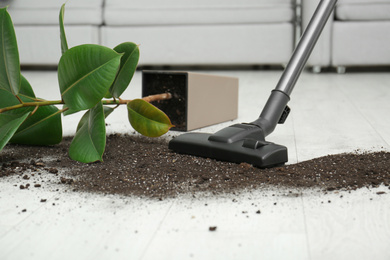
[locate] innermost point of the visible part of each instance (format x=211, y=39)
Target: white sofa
x=358, y=34
x=170, y=32
x=212, y=32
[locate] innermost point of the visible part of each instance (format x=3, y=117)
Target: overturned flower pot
x=198, y=100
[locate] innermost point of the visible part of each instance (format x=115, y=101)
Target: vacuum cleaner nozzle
x=246, y=142
x=237, y=143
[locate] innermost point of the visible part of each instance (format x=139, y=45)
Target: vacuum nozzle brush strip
x=246, y=142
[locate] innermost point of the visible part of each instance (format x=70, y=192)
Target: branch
x=149, y=99
x=32, y=104
x=158, y=97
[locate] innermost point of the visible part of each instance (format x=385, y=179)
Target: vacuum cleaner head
x=246, y=142
x=237, y=143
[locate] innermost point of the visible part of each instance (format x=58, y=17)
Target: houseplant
x=91, y=78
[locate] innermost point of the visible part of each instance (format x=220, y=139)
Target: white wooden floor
x=331, y=114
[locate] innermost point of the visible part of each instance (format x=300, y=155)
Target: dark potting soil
x=139, y=166
x=174, y=83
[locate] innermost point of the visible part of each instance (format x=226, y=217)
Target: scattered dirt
x=213, y=228
x=139, y=166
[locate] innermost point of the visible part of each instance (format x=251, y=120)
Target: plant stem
x=32, y=104
x=149, y=99
x=157, y=97
x=21, y=102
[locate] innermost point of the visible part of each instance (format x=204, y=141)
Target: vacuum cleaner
x=245, y=142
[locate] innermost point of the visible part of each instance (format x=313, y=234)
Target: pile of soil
x=134, y=165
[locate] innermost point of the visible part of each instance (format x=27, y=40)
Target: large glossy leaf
x=90, y=140
x=85, y=74
x=9, y=123
x=41, y=128
x=129, y=62
x=64, y=43
x=147, y=119
x=9, y=55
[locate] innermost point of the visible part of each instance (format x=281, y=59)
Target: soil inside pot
x=174, y=83
x=139, y=166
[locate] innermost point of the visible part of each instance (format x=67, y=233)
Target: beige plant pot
x=198, y=100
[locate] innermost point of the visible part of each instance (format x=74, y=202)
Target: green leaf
x=85, y=74
x=25, y=88
x=107, y=111
x=147, y=119
x=9, y=55
x=90, y=140
x=41, y=128
x=7, y=99
x=9, y=123
x=26, y=93
x=64, y=43
x=129, y=62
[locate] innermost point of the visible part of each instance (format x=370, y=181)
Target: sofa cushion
x=363, y=10
x=40, y=44
x=361, y=44
x=157, y=12
x=224, y=44
x=45, y=12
